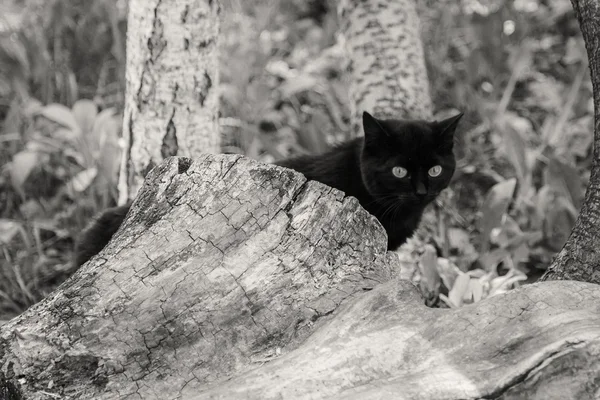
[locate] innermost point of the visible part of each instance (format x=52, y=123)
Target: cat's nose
x=421, y=189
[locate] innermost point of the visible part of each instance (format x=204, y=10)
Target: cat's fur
x=361, y=168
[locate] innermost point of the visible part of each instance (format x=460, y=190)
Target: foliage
x=531, y=147
x=516, y=68
x=65, y=172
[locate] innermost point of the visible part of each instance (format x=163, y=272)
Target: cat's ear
x=372, y=128
x=446, y=129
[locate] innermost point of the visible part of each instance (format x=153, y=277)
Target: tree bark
x=388, y=74
x=221, y=264
x=171, y=101
x=580, y=257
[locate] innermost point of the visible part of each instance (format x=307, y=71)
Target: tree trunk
x=388, y=75
x=580, y=257
x=171, y=101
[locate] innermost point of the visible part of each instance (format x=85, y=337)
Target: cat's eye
x=435, y=171
x=399, y=172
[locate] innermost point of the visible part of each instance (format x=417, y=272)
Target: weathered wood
x=538, y=342
x=221, y=263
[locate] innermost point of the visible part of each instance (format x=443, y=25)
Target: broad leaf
x=61, y=115
x=447, y=272
x=515, y=129
x=428, y=266
x=504, y=234
x=82, y=180
x=461, y=284
x=564, y=179
x=298, y=84
x=560, y=219
x=475, y=290
x=494, y=207
x=21, y=166
x=503, y=283
x=85, y=112
x=311, y=137
x=8, y=230
x=490, y=260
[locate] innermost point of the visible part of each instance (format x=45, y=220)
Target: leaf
x=85, y=112
x=490, y=260
x=298, y=84
x=428, y=266
x=32, y=107
x=311, y=137
x=21, y=166
x=457, y=238
x=82, y=180
x=494, y=207
x=503, y=283
x=544, y=199
x=8, y=230
x=447, y=272
x=61, y=115
x=461, y=284
x=475, y=290
x=459, y=241
x=579, y=137
x=560, y=219
x=447, y=301
x=521, y=253
x=515, y=129
x=476, y=273
x=506, y=233
x=106, y=126
x=564, y=179
x=574, y=51
x=104, y=146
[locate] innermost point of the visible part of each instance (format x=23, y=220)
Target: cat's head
x=407, y=160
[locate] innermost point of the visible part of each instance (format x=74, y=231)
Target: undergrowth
x=518, y=71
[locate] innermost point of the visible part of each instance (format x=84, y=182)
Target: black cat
x=395, y=171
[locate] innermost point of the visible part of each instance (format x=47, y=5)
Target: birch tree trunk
x=172, y=73
x=388, y=74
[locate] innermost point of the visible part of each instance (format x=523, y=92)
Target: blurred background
x=517, y=68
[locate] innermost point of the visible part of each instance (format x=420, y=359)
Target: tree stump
x=220, y=263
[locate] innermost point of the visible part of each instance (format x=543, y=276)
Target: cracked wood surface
x=221, y=263
x=538, y=342
x=232, y=279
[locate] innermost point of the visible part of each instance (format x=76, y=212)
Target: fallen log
x=220, y=262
